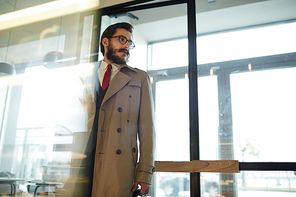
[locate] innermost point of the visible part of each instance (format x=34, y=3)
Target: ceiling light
x=250, y=66
x=46, y=11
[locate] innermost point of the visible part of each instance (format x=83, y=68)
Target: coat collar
x=126, y=66
x=98, y=64
x=117, y=83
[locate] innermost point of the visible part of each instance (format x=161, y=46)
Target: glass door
x=153, y=27
x=252, y=60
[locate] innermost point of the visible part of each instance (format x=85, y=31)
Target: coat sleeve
x=146, y=131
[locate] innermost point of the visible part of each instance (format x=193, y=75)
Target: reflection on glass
x=4, y=87
x=50, y=97
x=51, y=125
x=210, y=184
x=173, y=184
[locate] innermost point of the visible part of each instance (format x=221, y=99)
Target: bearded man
x=122, y=121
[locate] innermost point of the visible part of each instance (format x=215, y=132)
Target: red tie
x=107, y=77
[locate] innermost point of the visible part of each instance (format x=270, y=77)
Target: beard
x=117, y=59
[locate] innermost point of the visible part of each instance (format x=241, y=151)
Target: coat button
x=118, y=151
x=134, y=150
x=119, y=130
x=119, y=109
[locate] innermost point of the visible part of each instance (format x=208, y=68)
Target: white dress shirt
x=102, y=69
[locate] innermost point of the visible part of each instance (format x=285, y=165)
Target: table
x=11, y=182
x=42, y=183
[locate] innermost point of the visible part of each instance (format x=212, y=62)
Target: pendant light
x=52, y=59
x=6, y=68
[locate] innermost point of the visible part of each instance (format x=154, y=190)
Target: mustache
x=123, y=50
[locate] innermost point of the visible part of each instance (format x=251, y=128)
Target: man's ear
x=105, y=42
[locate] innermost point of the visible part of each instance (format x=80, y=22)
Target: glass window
x=172, y=122
x=208, y=113
x=161, y=54
x=248, y=57
x=172, y=184
x=263, y=107
x=281, y=183
x=247, y=43
x=250, y=183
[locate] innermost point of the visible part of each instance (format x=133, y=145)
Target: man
x=123, y=117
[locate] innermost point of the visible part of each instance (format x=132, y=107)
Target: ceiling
x=211, y=17
x=173, y=22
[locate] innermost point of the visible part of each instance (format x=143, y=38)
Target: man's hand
x=145, y=187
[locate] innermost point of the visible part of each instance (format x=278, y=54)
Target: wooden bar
x=222, y=166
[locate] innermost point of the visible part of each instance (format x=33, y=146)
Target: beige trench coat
x=125, y=127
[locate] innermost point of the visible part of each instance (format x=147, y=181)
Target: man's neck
x=107, y=60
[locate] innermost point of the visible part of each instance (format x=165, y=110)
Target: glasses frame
x=130, y=42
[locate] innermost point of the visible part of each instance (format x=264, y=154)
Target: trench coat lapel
x=117, y=83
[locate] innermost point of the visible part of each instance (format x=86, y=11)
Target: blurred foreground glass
x=50, y=130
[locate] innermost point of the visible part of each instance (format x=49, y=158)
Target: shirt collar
x=104, y=65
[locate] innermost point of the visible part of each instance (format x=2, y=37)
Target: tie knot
x=109, y=66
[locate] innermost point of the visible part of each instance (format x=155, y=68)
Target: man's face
x=116, y=52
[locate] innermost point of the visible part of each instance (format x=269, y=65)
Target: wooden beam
x=222, y=166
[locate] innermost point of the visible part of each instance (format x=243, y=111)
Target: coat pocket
x=133, y=103
x=134, y=148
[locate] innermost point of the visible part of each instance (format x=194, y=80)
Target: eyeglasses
x=123, y=40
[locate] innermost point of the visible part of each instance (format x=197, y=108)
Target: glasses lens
x=131, y=44
x=122, y=39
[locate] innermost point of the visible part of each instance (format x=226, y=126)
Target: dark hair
x=111, y=30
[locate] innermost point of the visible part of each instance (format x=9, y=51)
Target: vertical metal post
x=193, y=104
x=225, y=133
